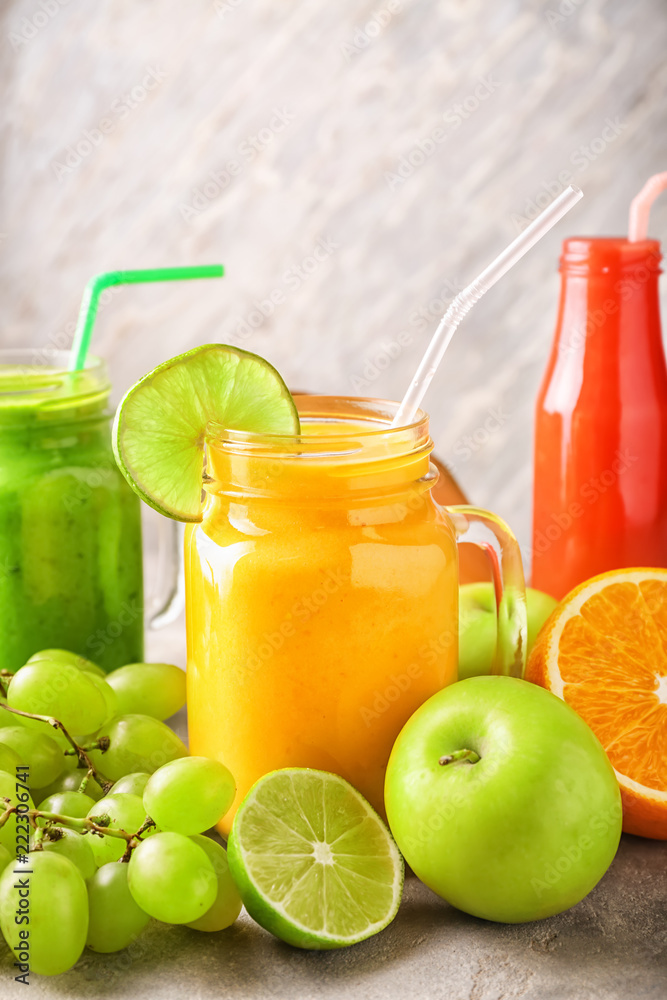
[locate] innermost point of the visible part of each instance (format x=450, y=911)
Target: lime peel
x=160, y=428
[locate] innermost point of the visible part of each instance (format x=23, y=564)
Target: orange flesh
x=613, y=661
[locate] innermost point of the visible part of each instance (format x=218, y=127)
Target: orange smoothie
x=322, y=598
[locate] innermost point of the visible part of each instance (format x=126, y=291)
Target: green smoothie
x=70, y=526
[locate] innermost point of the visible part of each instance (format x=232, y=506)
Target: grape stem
x=84, y=781
x=103, y=744
x=80, y=752
x=98, y=825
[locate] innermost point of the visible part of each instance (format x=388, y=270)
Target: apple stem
x=468, y=755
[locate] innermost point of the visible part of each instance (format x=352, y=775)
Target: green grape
x=9, y=759
x=69, y=781
x=93, y=789
x=227, y=905
x=126, y=813
x=72, y=845
x=69, y=759
x=189, y=795
x=11, y=789
x=109, y=695
x=40, y=753
x=155, y=689
x=5, y=858
x=60, y=691
x=115, y=919
x=64, y=656
x=76, y=804
x=58, y=901
x=133, y=784
x=136, y=743
x=172, y=879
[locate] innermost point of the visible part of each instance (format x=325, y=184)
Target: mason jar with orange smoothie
x=322, y=595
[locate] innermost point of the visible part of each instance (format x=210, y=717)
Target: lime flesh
x=313, y=862
x=160, y=428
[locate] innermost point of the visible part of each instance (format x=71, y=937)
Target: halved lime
x=160, y=427
x=313, y=862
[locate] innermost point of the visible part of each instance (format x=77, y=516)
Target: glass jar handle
x=490, y=533
x=170, y=572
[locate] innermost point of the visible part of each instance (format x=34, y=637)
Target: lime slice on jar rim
x=314, y=863
x=159, y=432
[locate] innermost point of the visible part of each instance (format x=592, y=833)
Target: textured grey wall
x=405, y=138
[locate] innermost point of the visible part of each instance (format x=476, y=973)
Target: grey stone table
x=612, y=945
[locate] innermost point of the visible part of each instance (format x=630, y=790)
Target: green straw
x=97, y=284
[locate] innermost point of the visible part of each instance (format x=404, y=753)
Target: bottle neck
x=609, y=298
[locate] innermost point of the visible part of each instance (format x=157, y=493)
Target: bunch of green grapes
x=130, y=775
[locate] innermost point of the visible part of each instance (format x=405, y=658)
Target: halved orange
x=604, y=652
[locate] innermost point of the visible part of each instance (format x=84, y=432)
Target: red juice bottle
x=600, y=488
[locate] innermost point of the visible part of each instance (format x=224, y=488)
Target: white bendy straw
x=466, y=299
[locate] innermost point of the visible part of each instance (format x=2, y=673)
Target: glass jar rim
x=37, y=381
x=45, y=357
x=361, y=459
x=370, y=431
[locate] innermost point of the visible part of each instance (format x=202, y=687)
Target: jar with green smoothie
x=70, y=528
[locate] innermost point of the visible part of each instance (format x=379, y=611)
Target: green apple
x=477, y=625
x=502, y=800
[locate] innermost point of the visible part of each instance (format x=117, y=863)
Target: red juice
x=600, y=491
